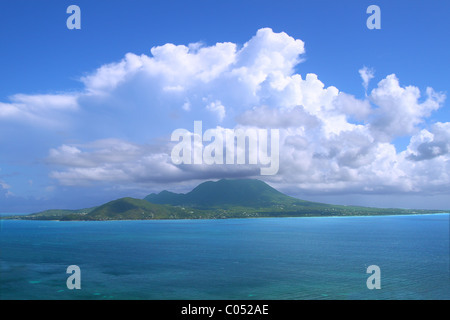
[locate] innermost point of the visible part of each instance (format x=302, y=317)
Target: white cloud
x=186, y=106
x=399, y=110
x=348, y=105
x=124, y=163
x=218, y=109
x=331, y=141
x=109, y=160
x=427, y=145
x=4, y=185
x=108, y=77
x=40, y=109
x=366, y=74
x=5, y=189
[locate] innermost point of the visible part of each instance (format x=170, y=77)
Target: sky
x=86, y=115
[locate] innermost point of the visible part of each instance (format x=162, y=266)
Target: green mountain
x=131, y=209
x=240, y=198
x=226, y=198
x=225, y=193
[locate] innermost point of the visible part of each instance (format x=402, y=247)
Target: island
x=222, y=199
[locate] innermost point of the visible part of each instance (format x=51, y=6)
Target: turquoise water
x=280, y=258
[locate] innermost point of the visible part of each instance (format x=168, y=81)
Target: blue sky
x=62, y=123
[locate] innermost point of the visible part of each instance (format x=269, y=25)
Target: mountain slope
x=254, y=198
x=131, y=209
x=225, y=193
x=214, y=200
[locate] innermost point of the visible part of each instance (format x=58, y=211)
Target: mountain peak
x=225, y=198
x=224, y=192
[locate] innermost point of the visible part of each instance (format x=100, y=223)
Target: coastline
x=234, y=218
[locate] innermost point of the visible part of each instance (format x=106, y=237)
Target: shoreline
x=234, y=218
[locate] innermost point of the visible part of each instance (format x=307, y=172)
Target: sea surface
x=265, y=258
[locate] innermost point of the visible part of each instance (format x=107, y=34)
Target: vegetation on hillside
x=222, y=199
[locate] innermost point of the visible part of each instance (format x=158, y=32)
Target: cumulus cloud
x=109, y=160
x=218, y=109
x=330, y=141
x=267, y=117
x=353, y=108
x=122, y=163
x=429, y=145
x=366, y=74
x=399, y=110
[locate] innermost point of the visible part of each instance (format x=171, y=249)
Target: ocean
x=232, y=259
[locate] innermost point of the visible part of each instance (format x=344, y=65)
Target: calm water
x=285, y=258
